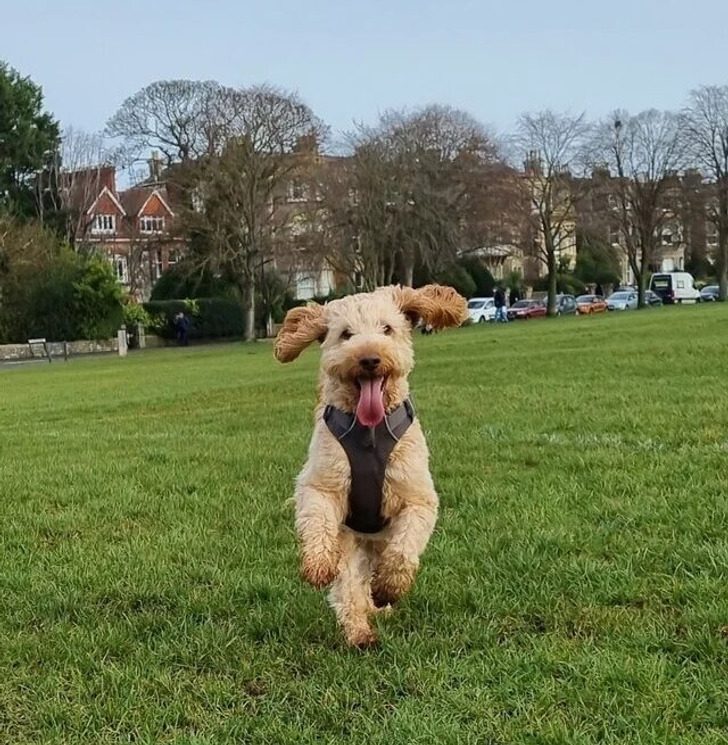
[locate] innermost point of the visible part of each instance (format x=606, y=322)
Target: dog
x=365, y=503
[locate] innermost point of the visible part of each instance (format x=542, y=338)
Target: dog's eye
x=388, y=329
x=345, y=334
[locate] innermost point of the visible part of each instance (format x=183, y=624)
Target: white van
x=675, y=287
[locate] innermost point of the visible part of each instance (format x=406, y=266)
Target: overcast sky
x=351, y=60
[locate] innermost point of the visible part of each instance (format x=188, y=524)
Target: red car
x=526, y=309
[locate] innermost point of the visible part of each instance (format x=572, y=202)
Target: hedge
x=65, y=297
x=211, y=317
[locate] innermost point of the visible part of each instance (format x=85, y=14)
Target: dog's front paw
x=320, y=570
x=392, y=579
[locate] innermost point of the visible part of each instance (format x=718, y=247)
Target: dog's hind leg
x=350, y=594
x=399, y=556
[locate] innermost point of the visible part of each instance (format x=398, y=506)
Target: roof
x=106, y=196
x=83, y=187
x=492, y=252
x=137, y=198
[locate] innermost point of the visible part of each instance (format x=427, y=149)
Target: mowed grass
x=575, y=590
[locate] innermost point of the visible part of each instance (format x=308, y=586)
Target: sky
x=352, y=60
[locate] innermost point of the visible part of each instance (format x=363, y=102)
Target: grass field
x=575, y=591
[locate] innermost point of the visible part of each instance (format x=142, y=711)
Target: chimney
x=155, y=167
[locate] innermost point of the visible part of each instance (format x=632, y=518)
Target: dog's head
x=366, y=343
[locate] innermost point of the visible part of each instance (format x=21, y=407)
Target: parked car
x=588, y=304
x=709, y=294
x=675, y=287
x=526, y=309
x=622, y=301
x=565, y=305
x=652, y=299
x=481, y=309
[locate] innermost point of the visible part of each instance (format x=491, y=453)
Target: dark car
x=565, y=305
x=652, y=299
x=709, y=294
x=526, y=309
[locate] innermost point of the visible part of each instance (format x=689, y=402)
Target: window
x=103, y=224
x=198, y=201
x=150, y=224
x=157, y=265
x=305, y=286
x=121, y=269
x=297, y=191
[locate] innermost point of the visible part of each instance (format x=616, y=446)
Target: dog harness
x=368, y=450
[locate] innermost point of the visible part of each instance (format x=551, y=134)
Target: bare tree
x=705, y=122
x=354, y=213
x=644, y=152
x=553, y=149
x=400, y=201
x=236, y=194
x=184, y=119
x=81, y=170
x=437, y=154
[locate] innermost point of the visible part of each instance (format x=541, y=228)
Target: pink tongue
x=370, y=409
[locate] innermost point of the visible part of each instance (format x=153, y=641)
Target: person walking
x=499, y=300
x=182, y=327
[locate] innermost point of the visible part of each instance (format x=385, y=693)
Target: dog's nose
x=369, y=363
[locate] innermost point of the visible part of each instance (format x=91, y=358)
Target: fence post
x=123, y=341
x=141, y=336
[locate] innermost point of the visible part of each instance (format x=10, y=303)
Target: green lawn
x=575, y=590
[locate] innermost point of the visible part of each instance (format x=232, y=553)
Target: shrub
x=459, y=278
x=135, y=314
x=211, y=318
x=62, y=298
x=481, y=276
x=97, y=297
x=182, y=282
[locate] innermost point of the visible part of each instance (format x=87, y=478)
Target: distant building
x=135, y=228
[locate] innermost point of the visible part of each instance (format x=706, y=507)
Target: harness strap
x=368, y=451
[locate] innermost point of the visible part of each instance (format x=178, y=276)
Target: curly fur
x=365, y=572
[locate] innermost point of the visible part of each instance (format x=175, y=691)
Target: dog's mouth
x=370, y=407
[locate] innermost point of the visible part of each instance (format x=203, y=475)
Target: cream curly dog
x=365, y=502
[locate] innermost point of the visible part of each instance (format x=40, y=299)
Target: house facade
x=135, y=229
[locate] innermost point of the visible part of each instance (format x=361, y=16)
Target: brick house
x=134, y=228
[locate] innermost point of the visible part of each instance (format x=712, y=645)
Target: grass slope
x=574, y=592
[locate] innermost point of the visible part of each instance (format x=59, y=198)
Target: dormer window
x=150, y=224
x=103, y=224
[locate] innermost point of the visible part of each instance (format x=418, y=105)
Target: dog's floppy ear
x=435, y=305
x=301, y=326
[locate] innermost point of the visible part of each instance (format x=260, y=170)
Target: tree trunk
x=247, y=287
x=722, y=257
x=552, y=277
x=723, y=269
x=642, y=279
x=408, y=268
